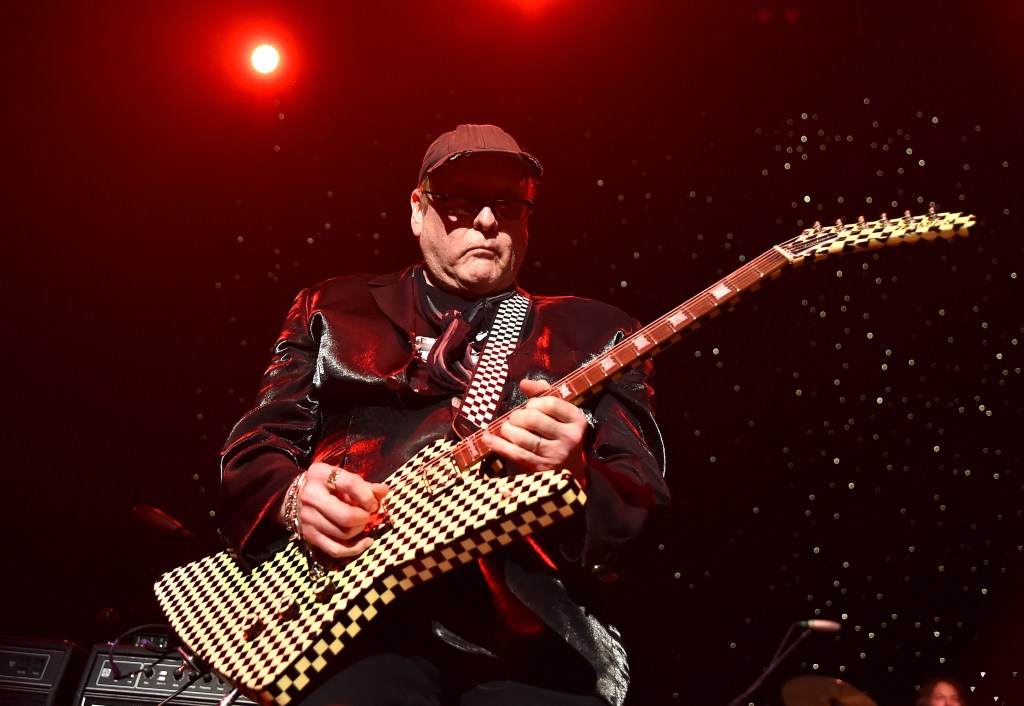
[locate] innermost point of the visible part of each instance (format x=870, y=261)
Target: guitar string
x=809, y=245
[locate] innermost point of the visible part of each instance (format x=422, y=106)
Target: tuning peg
x=932, y=209
x=907, y=216
x=885, y=218
x=861, y=221
x=839, y=224
x=817, y=226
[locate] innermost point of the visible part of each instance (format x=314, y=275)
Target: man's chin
x=475, y=287
x=481, y=273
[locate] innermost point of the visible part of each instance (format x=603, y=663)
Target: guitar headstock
x=818, y=242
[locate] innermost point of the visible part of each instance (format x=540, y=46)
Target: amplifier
x=38, y=672
x=145, y=678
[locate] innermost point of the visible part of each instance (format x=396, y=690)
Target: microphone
x=821, y=625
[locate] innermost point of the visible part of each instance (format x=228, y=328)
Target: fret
x=471, y=450
x=757, y=266
x=721, y=291
x=608, y=364
x=703, y=304
x=677, y=318
x=745, y=279
x=640, y=342
x=661, y=331
x=619, y=355
x=566, y=392
x=592, y=376
x=577, y=384
x=769, y=263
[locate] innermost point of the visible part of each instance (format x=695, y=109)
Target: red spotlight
x=265, y=58
x=261, y=56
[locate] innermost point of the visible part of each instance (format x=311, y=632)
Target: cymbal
x=812, y=690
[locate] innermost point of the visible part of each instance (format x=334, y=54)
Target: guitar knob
x=324, y=589
x=253, y=626
x=286, y=609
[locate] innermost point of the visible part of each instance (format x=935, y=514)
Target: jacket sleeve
x=273, y=442
x=625, y=456
x=626, y=489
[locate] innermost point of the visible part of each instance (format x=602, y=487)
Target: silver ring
x=536, y=446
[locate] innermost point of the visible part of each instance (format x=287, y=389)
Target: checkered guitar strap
x=485, y=387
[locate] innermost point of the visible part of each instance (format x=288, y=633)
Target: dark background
x=846, y=444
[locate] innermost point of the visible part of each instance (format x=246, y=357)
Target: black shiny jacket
x=338, y=391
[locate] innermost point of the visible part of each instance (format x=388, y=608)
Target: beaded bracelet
x=293, y=505
x=292, y=521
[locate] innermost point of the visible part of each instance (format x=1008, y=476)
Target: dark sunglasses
x=469, y=207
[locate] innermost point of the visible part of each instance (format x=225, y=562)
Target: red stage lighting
x=260, y=56
x=265, y=58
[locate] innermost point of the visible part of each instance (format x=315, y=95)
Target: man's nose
x=485, y=220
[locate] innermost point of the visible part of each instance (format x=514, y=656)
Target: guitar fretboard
x=813, y=243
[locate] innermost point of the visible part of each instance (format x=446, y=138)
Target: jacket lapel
x=395, y=294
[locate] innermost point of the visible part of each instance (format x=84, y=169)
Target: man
x=370, y=370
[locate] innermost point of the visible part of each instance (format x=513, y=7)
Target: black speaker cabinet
x=38, y=672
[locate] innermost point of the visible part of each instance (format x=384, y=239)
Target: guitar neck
x=813, y=243
x=666, y=330
x=645, y=343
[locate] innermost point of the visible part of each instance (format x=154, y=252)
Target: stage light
x=265, y=58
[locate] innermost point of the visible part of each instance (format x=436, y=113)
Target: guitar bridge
x=439, y=476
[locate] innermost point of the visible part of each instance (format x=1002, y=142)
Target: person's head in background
x=942, y=691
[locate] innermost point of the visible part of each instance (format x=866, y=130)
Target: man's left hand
x=545, y=433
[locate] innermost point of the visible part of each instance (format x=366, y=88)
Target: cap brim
x=531, y=165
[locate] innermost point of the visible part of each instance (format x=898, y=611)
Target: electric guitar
x=272, y=629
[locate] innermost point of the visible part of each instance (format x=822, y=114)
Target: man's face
x=478, y=254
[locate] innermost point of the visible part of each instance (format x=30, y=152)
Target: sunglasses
x=469, y=207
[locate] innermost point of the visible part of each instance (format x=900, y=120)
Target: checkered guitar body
x=272, y=629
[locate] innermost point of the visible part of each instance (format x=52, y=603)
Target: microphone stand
x=777, y=659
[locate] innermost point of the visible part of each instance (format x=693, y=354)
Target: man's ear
x=416, y=220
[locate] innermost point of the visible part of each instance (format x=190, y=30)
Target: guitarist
x=369, y=370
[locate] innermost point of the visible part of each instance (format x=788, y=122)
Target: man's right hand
x=336, y=507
